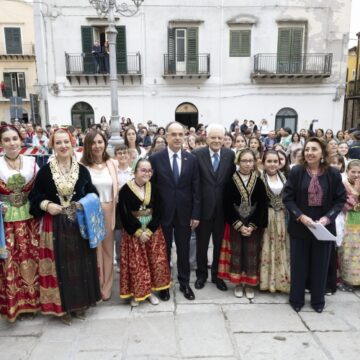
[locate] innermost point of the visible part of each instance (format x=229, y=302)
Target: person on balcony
x=96, y=53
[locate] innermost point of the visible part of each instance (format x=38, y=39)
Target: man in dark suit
x=216, y=165
x=176, y=175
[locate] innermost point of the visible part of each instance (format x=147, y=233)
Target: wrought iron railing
x=306, y=64
x=353, y=88
x=89, y=64
x=185, y=64
x=23, y=49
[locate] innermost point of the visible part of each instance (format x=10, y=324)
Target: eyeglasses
x=146, y=171
x=246, y=161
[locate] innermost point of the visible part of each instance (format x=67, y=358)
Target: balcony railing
x=353, y=88
x=187, y=65
x=26, y=49
x=303, y=65
x=91, y=64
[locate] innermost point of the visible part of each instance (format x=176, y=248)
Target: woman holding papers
x=313, y=193
x=350, y=250
x=68, y=275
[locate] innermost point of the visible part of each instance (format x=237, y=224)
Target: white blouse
x=102, y=180
x=27, y=168
x=275, y=186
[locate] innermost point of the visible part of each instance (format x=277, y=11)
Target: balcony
x=303, y=66
x=180, y=66
x=87, y=67
x=24, y=52
x=353, y=89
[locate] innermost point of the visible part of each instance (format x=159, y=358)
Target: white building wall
x=229, y=93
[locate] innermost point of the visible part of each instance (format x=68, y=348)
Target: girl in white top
x=104, y=176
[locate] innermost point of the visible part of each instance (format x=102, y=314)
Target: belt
x=15, y=199
x=145, y=212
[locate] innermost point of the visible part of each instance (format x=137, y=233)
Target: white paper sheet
x=322, y=233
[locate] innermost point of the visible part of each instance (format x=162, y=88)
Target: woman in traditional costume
x=103, y=171
x=246, y=214
x=275, y=246
x=19, y=275
x=68, y=275
x=350, y=249
x=144, y=266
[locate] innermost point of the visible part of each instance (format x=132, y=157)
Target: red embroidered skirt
x=143, y=267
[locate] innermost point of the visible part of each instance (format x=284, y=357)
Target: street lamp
x=108, y=8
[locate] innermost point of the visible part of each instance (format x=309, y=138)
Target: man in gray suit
x=216, y=166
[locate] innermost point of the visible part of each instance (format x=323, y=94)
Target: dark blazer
x=183, y=197
x=212, y=183
x=295, y=198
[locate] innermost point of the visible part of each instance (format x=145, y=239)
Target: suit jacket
x=212, y=183
x=295, y=198
x=182, y=197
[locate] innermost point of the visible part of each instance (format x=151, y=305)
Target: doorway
x=82, y=115
x=286, y=117
x=187, y=114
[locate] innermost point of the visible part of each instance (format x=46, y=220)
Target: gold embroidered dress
x=68, y=269
x=143, y=267
x=275, y=245
x=19, y=281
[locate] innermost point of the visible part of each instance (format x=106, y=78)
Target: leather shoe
x=200, y=283
x=164, y=295
x=220, y=284
x=188, y=293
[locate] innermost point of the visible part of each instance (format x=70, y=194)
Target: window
x=240, y=43
x=14, y=85
x=13, y=40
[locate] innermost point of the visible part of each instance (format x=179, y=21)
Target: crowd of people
x=256, y=193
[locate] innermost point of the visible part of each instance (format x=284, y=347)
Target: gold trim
x=147, y=197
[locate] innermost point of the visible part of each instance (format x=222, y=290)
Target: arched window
x=286, y=117
x=82, y=115
x=187, y=114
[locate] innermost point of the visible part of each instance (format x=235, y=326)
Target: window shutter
x=283, y=53
x=240, y=43
x=8, y=88
x=171, y=66
x=21, y=85
x=87, y=44
x=121, y=58
x=192, y=64
x=13, y=41
x=296, y=49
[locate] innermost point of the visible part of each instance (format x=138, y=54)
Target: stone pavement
x=215, y=326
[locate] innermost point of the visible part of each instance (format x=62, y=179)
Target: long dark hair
x=5, y=128
x=87, y=158
x=286, y=169
x=324, y=163
x=136, y=139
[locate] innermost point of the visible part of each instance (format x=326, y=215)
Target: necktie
x=175, y=168
x=216, y=161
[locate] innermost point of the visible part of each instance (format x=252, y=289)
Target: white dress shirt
x=212, y=154
x=178, y=159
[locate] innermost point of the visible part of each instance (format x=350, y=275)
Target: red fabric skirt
x=143, y=267
x=19, y=273
x=239, y=257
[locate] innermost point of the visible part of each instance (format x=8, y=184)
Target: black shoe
x=188, y=293
x=296, y=307
x=200, y=283
x=318, y=309
x=220, y=284
x=164, y=295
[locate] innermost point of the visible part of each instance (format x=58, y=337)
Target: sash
x=3, y=251
x=91, y=220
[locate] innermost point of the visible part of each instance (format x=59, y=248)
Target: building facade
x=352, y=96
x=197, y=62
x=17, y=61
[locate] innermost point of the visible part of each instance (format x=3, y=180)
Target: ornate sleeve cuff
x=253, y=226
x=149, y=232
x=237, y=225
x=138, y=232
x=44, y=204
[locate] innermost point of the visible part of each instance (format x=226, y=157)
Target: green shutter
x=289, y=54
x=192, y=63
x=13, y=40
x=87, y=44
x=8, y=88
x=171, y=66
x=240, y=43
x=121, y=58
x=21, y=85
